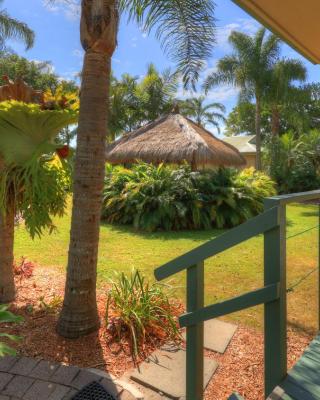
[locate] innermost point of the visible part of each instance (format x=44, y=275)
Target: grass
x=231, y=273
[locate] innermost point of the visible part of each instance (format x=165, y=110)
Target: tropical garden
x=80, y=239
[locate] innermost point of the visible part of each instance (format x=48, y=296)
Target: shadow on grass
x=195, y=235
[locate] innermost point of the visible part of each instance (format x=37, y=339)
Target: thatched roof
x=173, y=139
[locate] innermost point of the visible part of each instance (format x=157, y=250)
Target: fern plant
x=175, y=198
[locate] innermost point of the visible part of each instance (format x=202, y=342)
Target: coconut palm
x=186, y=31
x=203, y=114
x=247, y=68
x=281, y=90
x=11, y=28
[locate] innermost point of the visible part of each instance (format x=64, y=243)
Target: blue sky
x=57, y=40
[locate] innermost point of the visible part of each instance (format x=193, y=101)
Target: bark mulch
x=39, y=300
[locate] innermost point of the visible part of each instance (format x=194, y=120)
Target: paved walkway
x=23, y=378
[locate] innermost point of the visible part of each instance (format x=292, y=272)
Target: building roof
x=295, y=21
x=173, y=139
x=244, y=144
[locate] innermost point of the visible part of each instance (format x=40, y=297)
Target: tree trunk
x=99, y=23
x=258, y=134
x=79, y=315
x=7, y=287
x=275, y=122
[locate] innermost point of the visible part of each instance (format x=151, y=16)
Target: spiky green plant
x=7, y=317
x=139, y=309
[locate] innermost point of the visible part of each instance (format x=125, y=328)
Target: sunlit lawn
x=231, y=273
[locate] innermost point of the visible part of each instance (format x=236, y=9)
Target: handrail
x=292, y=198
x=254, y=298
x=255, y=226
x=272, y=223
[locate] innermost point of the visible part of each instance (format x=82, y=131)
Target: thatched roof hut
x=173, y=139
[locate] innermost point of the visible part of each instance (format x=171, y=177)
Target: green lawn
x=228, y=274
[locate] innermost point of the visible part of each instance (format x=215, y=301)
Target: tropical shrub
x=139, y=310
x=5, y=317
x=175, y=198
x=294, y=162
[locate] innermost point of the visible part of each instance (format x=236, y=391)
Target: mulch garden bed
x=39, y=300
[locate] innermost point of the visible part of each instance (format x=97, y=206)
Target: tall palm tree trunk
x=79, y=315
x=258, y=133
x=275, y=122
x=7, y=287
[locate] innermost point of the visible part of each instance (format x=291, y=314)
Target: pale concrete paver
x=164, y=371
x=217, y=335
x=59, y=392
x=18, y=386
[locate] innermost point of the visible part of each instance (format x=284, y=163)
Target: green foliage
x=203, y=114
x=167, y=198
x=139, y=309
x=33, y=180
x=39, y=75
x=11, y=28
x=186, y=30
x=7, y=317
x=293, y=162
x=136, y=102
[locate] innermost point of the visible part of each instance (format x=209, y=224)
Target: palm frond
x=11, y=28
x=185, y=28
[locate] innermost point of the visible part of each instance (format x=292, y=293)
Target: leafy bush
x=139, y=310
x=175, y=198
x=294, y=162
x=5, y=317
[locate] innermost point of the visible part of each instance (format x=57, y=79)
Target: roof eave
x=277, y=29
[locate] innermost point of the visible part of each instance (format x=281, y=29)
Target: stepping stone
x=164, y=371
x=217, y=335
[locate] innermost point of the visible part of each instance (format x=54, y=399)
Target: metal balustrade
x=271, y=223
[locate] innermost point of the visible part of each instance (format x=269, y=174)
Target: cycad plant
x=7, y=317
x=33, y=179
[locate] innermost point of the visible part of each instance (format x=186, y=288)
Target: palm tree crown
x=203, y=114
x=248, y=68
x=11, y=28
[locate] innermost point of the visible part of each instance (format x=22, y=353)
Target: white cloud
x=78, y=53
x=245, y=25
x=70, y=8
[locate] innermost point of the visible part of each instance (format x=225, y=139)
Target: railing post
x=275, y=312
x=195, y=334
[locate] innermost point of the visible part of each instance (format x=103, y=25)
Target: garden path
x=24, y=378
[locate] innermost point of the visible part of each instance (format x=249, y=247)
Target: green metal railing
x=271, y=223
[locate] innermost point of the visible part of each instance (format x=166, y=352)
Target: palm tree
x=248, y=69
x=203, y=114
x=186, y=31
x=11, y=28
x=281, y=91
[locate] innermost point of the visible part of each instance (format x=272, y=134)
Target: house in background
x=246, y=145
